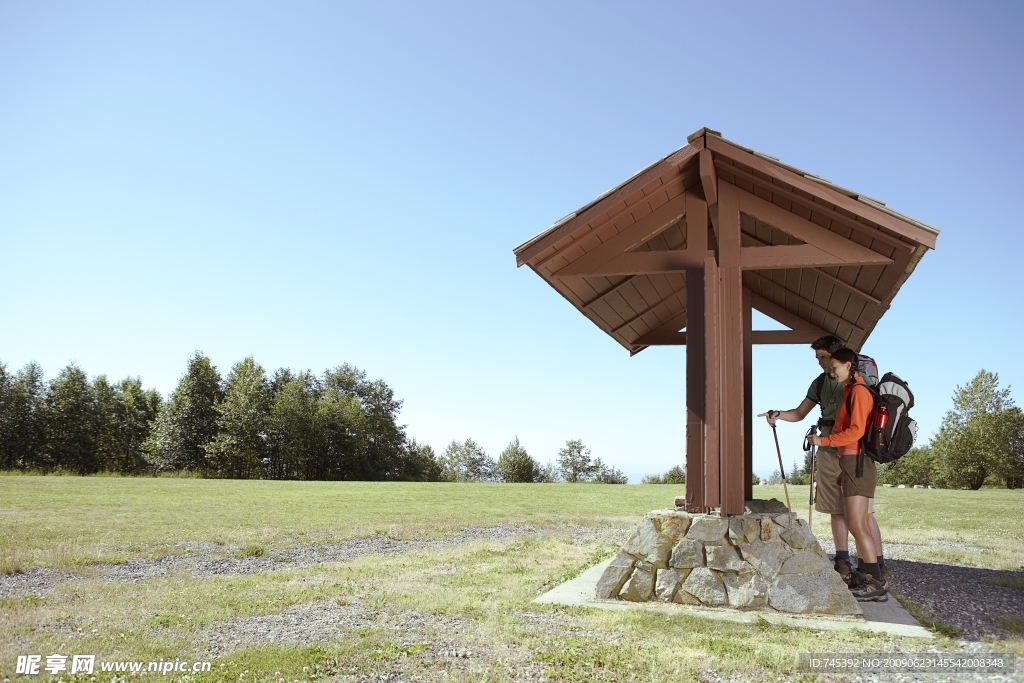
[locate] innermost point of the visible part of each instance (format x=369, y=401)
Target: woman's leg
x=857, y=519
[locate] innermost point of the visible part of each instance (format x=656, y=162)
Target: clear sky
x=318, y=183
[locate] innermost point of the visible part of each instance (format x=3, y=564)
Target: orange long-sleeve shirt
x=849, y=428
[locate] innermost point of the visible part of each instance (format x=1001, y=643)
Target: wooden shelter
x=684, y=250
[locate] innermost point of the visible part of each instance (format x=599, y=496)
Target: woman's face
x=841, y=371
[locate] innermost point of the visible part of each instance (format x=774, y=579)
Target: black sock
x=881, y=561
x=872, y=569
x=843, y=555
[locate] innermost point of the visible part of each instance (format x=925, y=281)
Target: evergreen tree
x=24, y=420
x=71, y=423
x=980, y=436
x=516, y=466
x=243, y=421
x=187, y=423
x=574, y=462
x=419, y=463
x=467, y=461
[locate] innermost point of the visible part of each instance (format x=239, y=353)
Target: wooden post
x=731, y=355
x=696, y=240
x=748, y=400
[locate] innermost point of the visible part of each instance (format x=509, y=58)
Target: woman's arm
x=848, y=436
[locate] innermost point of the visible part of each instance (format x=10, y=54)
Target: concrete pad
x=879, y=617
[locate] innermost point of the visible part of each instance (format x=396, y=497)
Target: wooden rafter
x=644, y=312
x=810, y=304
x=666, y=334
x=708, y=179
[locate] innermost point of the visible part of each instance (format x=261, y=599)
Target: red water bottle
x=881, y=420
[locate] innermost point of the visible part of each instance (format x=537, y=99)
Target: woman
x=852, y=417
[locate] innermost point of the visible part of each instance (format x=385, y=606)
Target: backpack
x=892, y=403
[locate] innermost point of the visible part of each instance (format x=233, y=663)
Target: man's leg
x=876, y=535
x=841, y=532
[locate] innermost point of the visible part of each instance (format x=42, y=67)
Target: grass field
x=419, y=612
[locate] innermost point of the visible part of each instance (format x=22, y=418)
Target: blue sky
x=319, y=183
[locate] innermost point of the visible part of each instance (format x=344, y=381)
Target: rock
x=742, y=529
x=918, y=486
x=786, y=520
x=889, y=486
x=687, y=554
x=902, y=486
x=709, y=530
x=610, y=583
x=668, y=583
x=674, y=525
x=648, y=544
x=805, y=562
x=761, y=507
x=680, y=502
x=747, y=589
x=640, y=586
x=704, y=584
x=769, y=529
x=799, y=536
x=725, y=558
x=684, y=598
x=824, y=593
x=766, y=558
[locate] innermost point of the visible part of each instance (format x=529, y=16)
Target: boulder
x=610, y=583
x=805, y=562
x=648, y=544
x=709, y=530
x=667, y=583
x=799, y=536
x=725, y=558
x=822, y=593
x=747, y=589
x=687, y=554
x=742, y=529
x=766, y=558
x=640, y=586
x=763, y=507
x=706, y=586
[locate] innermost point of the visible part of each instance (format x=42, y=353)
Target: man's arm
x=794, y=415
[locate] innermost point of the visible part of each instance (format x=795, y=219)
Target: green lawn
x=483, y=587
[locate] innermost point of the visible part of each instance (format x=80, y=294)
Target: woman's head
x=844, y=365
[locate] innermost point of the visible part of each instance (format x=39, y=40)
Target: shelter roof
x=866, y=250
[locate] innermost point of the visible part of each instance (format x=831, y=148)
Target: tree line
x=335, y=426
x=979, y=443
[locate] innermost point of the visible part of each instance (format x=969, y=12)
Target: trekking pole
x=782, y=471
x=809, y=447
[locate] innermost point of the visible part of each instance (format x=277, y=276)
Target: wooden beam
x=786, y=336
x=608, y=292
x=748, y=398
x=873, y=214
x=654, y=223
x=712, y=384
x=695, y=376
x=640, y=263
x=667, y=166
x=811, y=205
x=800, y=256
x=666, y=334
x=644, y=312
x=807, y=302
x=846, y=285
x=730, y=298
x=806, y=231
x=708, y=179
x=782, y=316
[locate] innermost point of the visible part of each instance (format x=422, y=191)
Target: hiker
x=858, y=475
x=827, y=393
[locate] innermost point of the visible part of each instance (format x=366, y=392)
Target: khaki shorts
x=828, y=497
x=863, y=485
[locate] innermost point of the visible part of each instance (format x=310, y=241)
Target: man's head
x=823, y=349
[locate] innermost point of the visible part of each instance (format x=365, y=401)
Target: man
x=826, y=392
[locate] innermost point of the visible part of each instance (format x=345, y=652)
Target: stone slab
x=878, y=617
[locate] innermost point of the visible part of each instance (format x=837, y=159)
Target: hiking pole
x=782, y=471
x=813, y=450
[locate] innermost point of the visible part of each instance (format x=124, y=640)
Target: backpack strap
x=819, y=384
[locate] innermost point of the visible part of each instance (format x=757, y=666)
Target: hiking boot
x=885, y=576
x=845, y=572
x=870, y=591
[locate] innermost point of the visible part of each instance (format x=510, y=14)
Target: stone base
x=765, y=559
